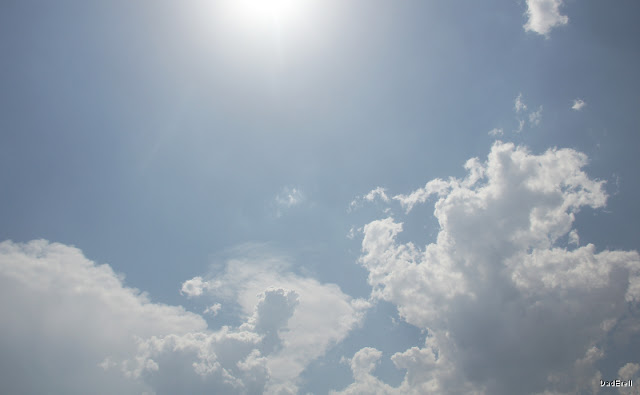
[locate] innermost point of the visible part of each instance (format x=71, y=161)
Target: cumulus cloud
x=193, y=287
x=544, y=15
x=506, y=305
x=225, y=361
x=68, y=319
x=362, y=366
x=80, y=330
x=321, y=315
x=629, y=372
x=578, y=104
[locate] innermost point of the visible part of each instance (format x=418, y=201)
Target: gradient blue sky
x=174, y=140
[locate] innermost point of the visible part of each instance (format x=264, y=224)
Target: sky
x=319, y=197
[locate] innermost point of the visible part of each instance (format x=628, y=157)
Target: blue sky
x=279, y=196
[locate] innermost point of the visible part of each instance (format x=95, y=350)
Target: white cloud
x=506, y=309
x=496, y=132
x=362, y=366
x=535, y=116
x=213, y=309
x=225, y=361
x=629, y=372
x=290, y=197
x=578, y=104
x=287, y=198
x=371, y=196
x=80, y=330
x=321, y=317
x=574, y=238
x=352, y=232
x=379, y=192
x=519, y=104
x=193, y=287
x=68, y=319
x=434, y=187
x=544, y=15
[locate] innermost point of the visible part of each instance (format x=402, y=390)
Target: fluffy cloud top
x=511, y=302
x=507, y=306
x=319, y=315
x=63, y=316
x=544, y=15
x=362, y=366
x=193, y=287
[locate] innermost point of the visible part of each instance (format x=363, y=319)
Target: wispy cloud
x=287, y=198
x=544, y=15
x=378, y=193
x=433, y=187
x=353, y=232
x=496, y=132
x=573, y=237
x=213, y=309
x=535, y=117
x=290, y=197
x=521, y=108
x=519, y=105
x=578, y=104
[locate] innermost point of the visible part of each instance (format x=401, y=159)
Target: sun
x=268, y=13
x=259, y=31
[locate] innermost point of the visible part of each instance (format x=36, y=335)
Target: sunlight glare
x=268, y=13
